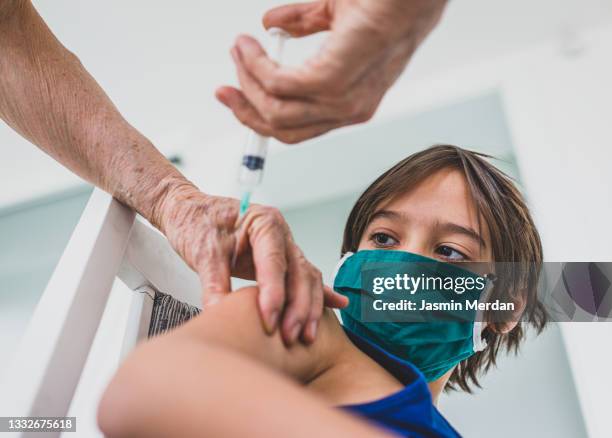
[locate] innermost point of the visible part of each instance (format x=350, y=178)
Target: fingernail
x=221, y=97
x=271, y=322
x=211, y=300
x=246, y=45
x=294, y=333
x=313, y=330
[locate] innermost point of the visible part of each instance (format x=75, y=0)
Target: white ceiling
x=161, y=65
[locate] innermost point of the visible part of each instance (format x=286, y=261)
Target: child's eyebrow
x=388, y=214
x=449, y=227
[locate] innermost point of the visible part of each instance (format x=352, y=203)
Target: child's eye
x=383, y=240
x=450, y=253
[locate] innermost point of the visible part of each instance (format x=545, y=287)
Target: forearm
x=48, y=97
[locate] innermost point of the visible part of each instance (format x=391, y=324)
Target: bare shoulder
x=235, y=323
x=234, y=316
x=180, y=384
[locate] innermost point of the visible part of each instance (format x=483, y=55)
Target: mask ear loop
x=478, y=342
x=339, y=265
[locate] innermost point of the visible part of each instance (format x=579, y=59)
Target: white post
x=46, y=369
x=150, y=261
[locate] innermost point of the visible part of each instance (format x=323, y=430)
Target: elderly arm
x=48, y=97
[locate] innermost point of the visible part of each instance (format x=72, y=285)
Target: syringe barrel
x=254, y=156
x=253, y=160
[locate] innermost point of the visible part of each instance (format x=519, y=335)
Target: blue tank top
x=408, y=412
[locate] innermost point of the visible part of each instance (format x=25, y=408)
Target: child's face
x=436, y=219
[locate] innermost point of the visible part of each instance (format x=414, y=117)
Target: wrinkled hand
x=370, y=43
x=202, y=229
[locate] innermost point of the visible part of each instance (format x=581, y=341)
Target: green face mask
x=442, y=339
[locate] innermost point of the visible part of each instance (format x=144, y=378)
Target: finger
x=281, y=112
x=316, y=308
x=299, y=296
x=248, y=115
x=298, y=135
x=267, y=238
x=243, y=257
x=331, y=72
x=281, y=81
x=299, y=19
x=333, y=299
x=215, y=276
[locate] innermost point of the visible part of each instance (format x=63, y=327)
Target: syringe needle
x=244, y=206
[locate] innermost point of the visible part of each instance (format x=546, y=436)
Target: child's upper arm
x=218, y=375
x=235, y=323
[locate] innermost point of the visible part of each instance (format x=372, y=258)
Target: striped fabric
x=169, y=313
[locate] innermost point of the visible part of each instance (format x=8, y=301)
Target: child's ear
x=509, y=322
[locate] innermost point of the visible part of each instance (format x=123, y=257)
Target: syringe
x=254, y=157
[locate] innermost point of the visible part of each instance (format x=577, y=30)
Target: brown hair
x=514, y=238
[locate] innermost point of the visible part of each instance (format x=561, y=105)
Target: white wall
x=346, y=161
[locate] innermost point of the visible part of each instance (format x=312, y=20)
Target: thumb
x=215, y=277
x=299, y=19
